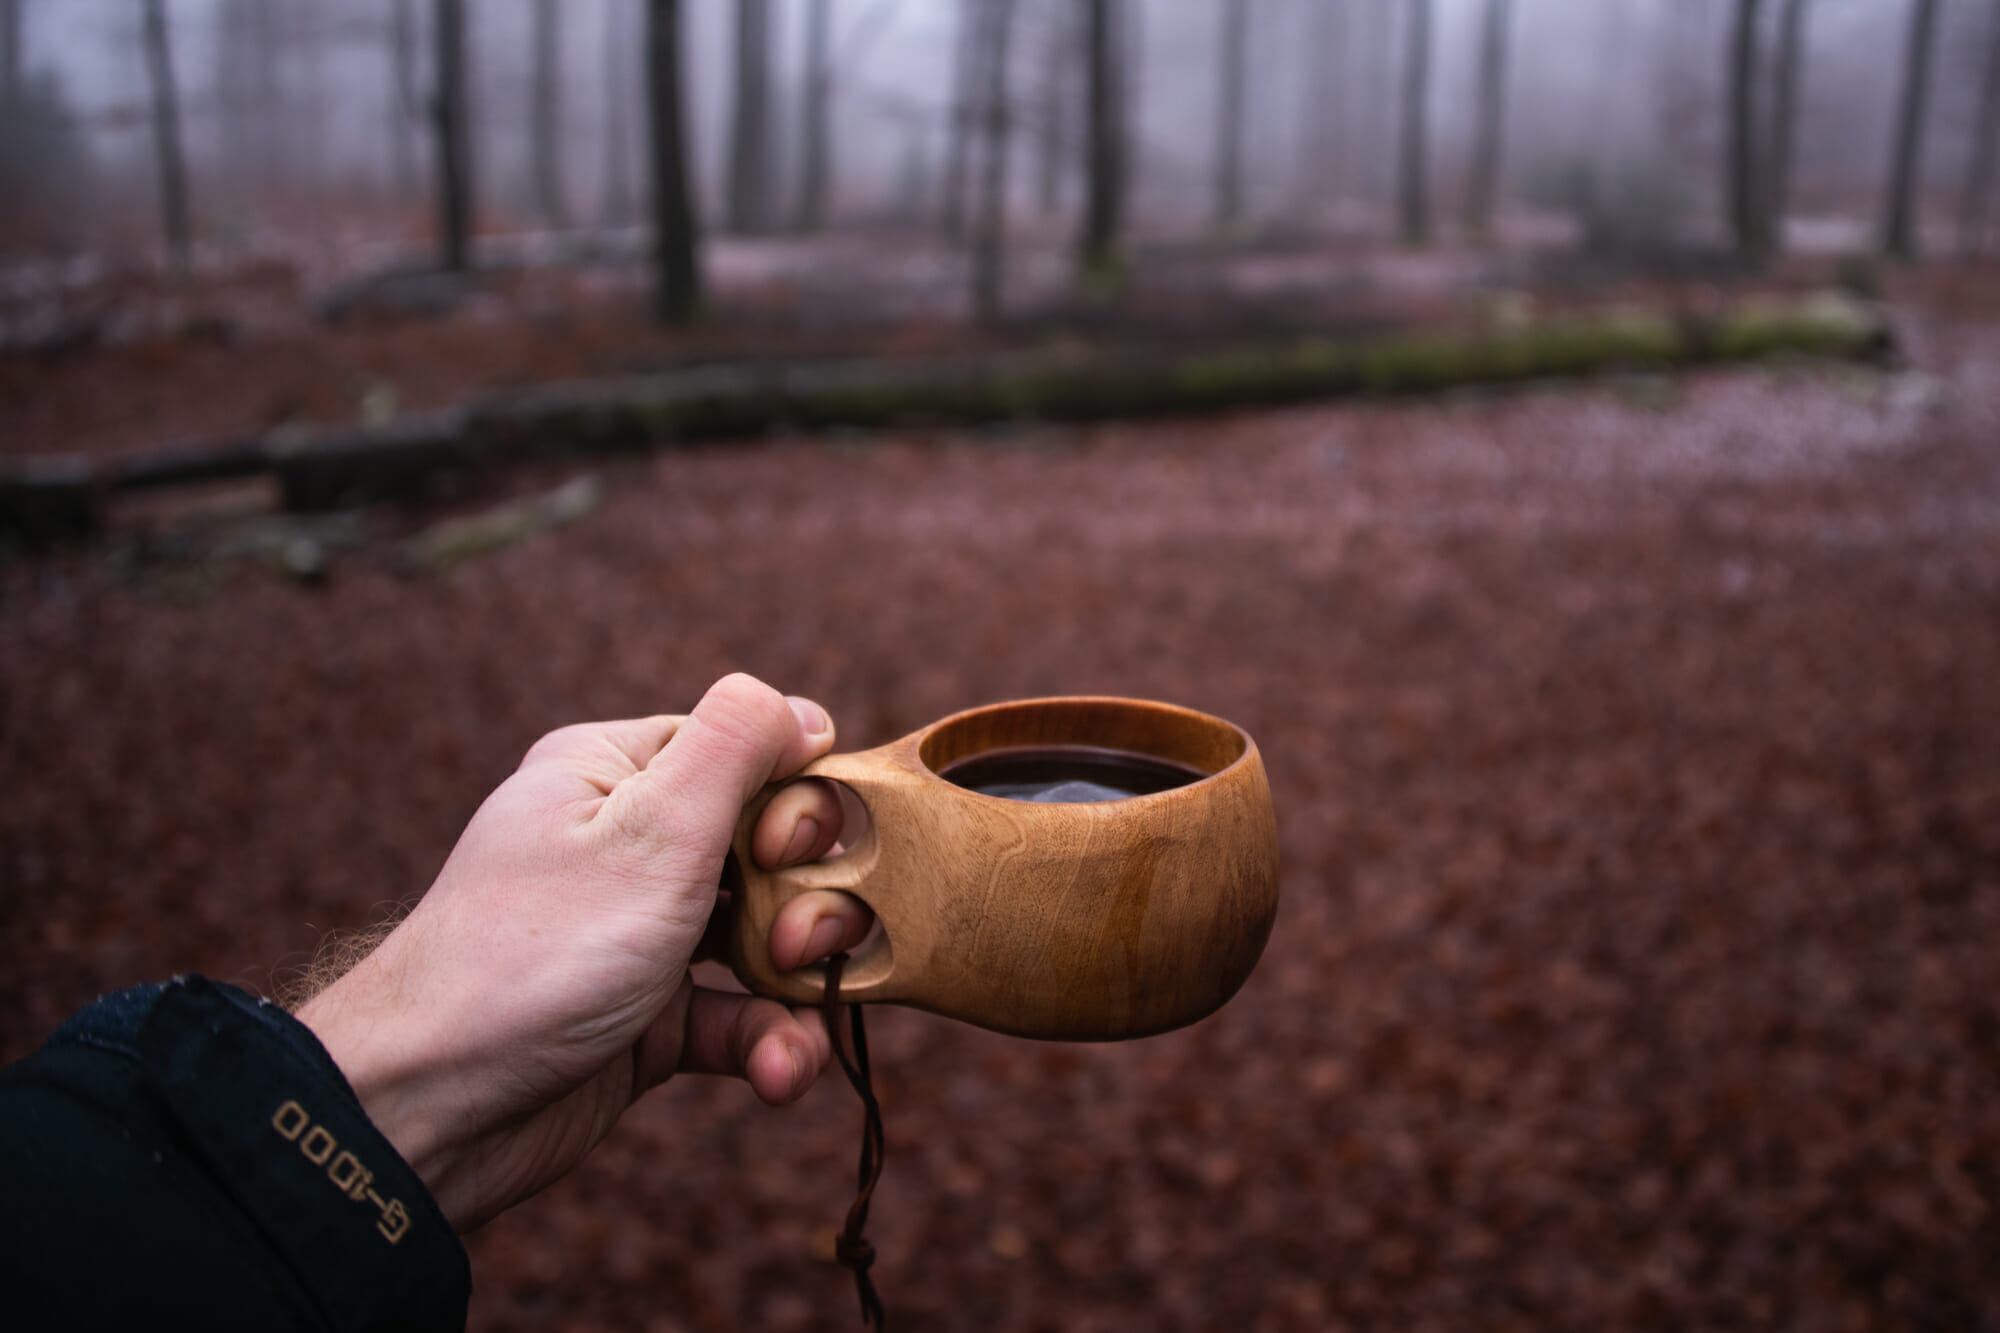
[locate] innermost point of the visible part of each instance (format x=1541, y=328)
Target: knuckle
x=751, y=697
x=751, y=1024
x=745, y=711
x=554, y=744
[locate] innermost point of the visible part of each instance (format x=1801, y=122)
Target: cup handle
x=759, y=894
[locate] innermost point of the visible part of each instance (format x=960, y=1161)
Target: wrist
x=378, y=1054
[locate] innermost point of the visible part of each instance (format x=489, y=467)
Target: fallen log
x=48, y=500
x=328, y=467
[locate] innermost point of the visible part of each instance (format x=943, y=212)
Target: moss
x=1407, y=364
x=1626, y=340
x=456, y=540
x=1860, y=275
x=1103, y=277
x=1827, y=325
x=859, y=405
x=321, y=468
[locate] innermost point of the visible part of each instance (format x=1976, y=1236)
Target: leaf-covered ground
x=1637, y=757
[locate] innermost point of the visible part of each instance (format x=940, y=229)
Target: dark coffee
x=1067, y=773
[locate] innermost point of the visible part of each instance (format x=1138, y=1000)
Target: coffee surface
x=1067, y=773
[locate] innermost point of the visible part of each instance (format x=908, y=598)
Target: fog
x=1610, y=578
x=285, y=102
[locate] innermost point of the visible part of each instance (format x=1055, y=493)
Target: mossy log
x=722, y=402
x=48, y=500
x=321, y=468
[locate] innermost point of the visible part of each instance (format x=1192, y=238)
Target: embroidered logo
x=343, y=1168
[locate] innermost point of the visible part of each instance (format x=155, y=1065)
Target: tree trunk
x=454, y=140
x=1229, y=114
x=1609, y=118
x=1973, y=215
x=404, y=98
x=1324, y=160
x=1490, y=134
x=748, y=212
x=958, y=125
x=1382, y=102
x=235, y=62
x=676, y=240
x=1906, y=169
x=1052, y=129
x=1129, y=46
x=1786, y=79
x=10, y=54
x=1413, y=193
x=1104, y=164
x=987, y=279
x=167, y=136
x=314, y=29
x=815, y=134
x=617, y=115
x=271, y=115
x=1745, y=207
x=545, y=128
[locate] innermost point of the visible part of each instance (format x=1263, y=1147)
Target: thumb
x=740, y=736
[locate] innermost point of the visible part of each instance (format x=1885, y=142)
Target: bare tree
x=545, y=114
x=1490, y=133
x=1383, y=100
x=1746, y=210
x=1234, y=48
x=1057, y=80
x=1129, y=34
x=1609, y=131
x=676, y=240
x=1413, y=193
x=815, y=137
x=270, y=101
x=450, y=124
x=617, y=118
x=1787, y=76
x=241, y=27
x=167, y=134
x=1104, y=164
x=405, y=98
x=958, y=118
x=1973, y=214
x=988, y=246
x=1899, y=232
x=748, y=206
x=1324, y=159
x=1684, y=106
x=10, y=54
x=313, y=27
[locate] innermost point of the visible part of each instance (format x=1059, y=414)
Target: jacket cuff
x=282, y=1134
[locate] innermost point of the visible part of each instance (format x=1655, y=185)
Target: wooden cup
x=1080, y=922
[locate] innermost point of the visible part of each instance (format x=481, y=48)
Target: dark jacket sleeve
x=188, y=1156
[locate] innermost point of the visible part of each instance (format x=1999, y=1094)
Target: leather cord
x=851, y=1248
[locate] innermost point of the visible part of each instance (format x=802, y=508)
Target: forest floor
x=1636, y=750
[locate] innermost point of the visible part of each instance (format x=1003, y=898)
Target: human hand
x=542, y=985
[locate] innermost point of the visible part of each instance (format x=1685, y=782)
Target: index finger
x=628, y=741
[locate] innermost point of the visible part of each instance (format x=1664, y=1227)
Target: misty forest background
x=1562, y=432
x=199, y=134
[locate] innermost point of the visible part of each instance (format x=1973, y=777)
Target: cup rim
x=1205, y=738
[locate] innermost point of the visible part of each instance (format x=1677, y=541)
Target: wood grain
x=1079, y=922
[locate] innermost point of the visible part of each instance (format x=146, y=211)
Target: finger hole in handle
x=868, y=967
x=760, y=895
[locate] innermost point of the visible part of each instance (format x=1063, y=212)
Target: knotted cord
x=852, y=1249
